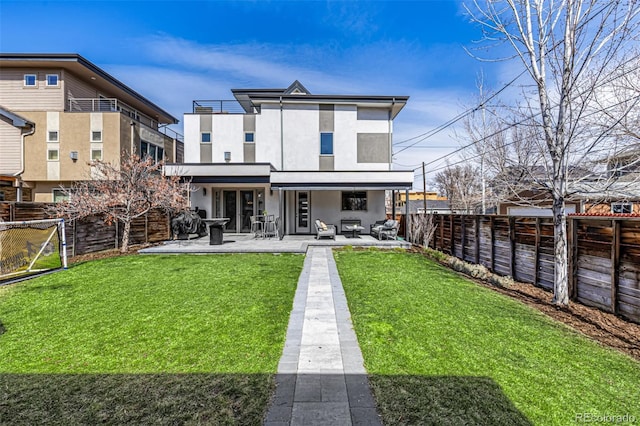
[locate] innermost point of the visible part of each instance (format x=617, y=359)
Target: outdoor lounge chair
x=388, y=230
x=324, y=230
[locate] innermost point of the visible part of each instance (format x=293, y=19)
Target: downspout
x=393, y=102
x=133, y=125
x=281, y=137
x=22, y=162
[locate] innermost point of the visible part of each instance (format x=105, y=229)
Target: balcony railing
x=223, y=107
x=110, y=105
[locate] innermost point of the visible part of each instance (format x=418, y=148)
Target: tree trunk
x=125, y=236
x=561, y=281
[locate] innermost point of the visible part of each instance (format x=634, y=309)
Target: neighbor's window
x=249, y=137
x=52, y=79
x=52, y=136
x=1, y=195
x=354, y=200
x=625, y=208
x=30, y=80
x=59, y=195
x=96, y=136
x=96, y=155
x=53, y=155
x=150, y=150
x=326, y=143
x=205, y=137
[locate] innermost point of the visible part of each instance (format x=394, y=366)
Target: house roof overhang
x=16, y=120
x=91, y=73
x=291, y=180
x=344, y=180
x=298, y=94
x=221, y=172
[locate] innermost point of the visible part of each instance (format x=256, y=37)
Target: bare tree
x=124, y=192
x=570, y=49
x=461, y=185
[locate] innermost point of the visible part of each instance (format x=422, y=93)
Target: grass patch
x=440, y=349
x=146, y=339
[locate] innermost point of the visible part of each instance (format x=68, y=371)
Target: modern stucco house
x=297, y=155
x=58, y=112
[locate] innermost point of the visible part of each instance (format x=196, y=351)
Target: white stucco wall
x=301, y=137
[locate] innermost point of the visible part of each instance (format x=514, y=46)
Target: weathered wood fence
x=91, y=234
x=604, y=254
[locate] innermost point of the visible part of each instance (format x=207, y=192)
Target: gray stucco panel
x=373, y=148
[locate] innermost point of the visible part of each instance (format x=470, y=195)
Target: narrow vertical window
x=205, y=137
x=52, y=136
x=326, y=143
x=96, y=136
x=53, y=155
x=249, y=137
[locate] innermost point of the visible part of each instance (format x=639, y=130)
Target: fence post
x=615, y=264
x=451, y=238
x=146, y=227
x=512, y=245
x=477, y=240
x=442, y=233
x=536, y=254
x=493, y=237
x=463, y=235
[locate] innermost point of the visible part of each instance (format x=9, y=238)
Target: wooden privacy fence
x=604, y=254
x=91, y=234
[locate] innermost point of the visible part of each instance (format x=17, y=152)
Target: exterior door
x=303, y=212
x=230, y=209
x=246, y=210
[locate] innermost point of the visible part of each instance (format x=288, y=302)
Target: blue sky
x=175, y=52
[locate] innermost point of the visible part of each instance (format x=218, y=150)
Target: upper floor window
x=96, y=136
x=52, y=136
x=30, y=80
x=205, y=137
x=150, y=150
x=53, y=155
x=249, y=137
x=52, y=79
x=96, y=154
x=624, y=208
x=326, y=143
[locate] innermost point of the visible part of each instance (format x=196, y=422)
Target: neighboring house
x=435, y=203
x=13, y=130
x=293, y=154
x=78, y=113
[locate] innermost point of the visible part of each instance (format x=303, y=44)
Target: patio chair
x=388, y=230
x=257, y=227
x=324, y=230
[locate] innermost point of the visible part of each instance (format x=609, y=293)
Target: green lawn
x=146, y=339
x=440, y=349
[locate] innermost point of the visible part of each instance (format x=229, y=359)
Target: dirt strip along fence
x=604, y=254
x=91, y=234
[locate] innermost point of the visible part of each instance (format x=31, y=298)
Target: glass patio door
x=238, y=206
x=246, y=210
x=230, y=209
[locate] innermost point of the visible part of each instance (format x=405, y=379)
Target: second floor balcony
x=224, y=107
x=109, y=105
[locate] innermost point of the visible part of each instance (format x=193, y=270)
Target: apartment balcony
x=110, y=105
x=224, y=107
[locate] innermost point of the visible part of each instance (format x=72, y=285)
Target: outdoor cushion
x=390, y=223
x=323, y=226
